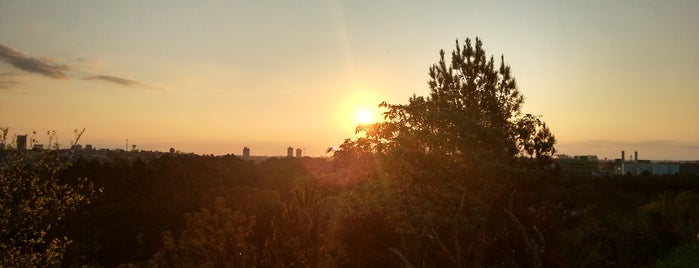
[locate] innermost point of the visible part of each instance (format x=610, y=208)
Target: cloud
x=114, y=79
x=46, y=67
x=26, y=63
x=6, y=74
x=7, y=84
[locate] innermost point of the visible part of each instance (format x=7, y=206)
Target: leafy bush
x=32, y=201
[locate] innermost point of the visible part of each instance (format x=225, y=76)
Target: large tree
x=473, y=112
x=442, y=167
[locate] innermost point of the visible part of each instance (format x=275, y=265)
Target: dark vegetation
x=457, y=178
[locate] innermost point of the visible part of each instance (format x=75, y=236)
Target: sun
x=364, y=117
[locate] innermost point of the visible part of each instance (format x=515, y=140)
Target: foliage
x=682, y=257
x=457, y=178
x=472, y=114
x=678, y=214
x=447, y=163
x=299, y=236
x=363, y=226
x=324, y=220
x=212, y=238
x=226, y=238
x=146, y=194
x=32, y=201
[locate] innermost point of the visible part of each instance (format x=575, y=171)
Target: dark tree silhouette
x=472, y=113
x=441, y=168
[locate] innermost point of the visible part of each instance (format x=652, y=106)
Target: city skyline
x=212, y=77
x=657, y=148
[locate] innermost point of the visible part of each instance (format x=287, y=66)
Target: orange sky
x=213, y=77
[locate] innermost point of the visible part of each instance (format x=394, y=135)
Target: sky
x=211, y=77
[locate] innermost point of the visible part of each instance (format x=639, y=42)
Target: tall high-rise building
x=623, y=158
x=289, y=152
x=21, y=142
x=246, y=153
x=298, y=152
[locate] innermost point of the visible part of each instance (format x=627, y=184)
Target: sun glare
x=364, y=117
x=359, y=108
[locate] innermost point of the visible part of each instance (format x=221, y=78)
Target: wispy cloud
x=47, y=67
x=6, y=74
x=7, y=84
x=26, y=63
x=114, y=79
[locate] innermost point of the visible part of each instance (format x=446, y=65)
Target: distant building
x=636, y=167
x=38, y=147
x=690, y=168
x=579, y=165
x=640, y=167
x=289, y=152
x=76, y=147
x=299, y=152
x=246, y=153
x=21, y=142
x=666, y=168
x=88, y=147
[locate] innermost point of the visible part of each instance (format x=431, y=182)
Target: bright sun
x=364, y=117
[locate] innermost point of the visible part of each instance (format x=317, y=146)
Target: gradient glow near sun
x=364, y=117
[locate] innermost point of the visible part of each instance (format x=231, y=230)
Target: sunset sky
x=214, y=76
